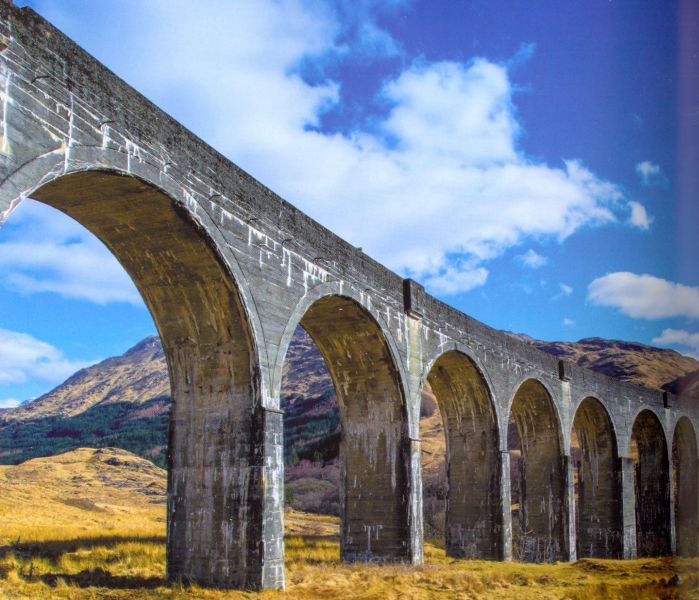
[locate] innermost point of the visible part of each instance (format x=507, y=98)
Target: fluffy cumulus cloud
x=434, y=164
x=680, y=338
x=24, y=358
x=45, y=251
x=648, y=172
x=9, y=402
x=644, y=296
x=639, y=216
x=532, y=259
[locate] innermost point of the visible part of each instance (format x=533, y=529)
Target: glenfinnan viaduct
x=229, y=270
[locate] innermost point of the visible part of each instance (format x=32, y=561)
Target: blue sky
x=530, y=163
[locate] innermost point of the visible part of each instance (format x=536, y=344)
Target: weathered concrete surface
x=373, y=458
x=652, y=484
x=539, y=522
x=228, y=270
x=474, y=506
x=686, y=488
x=598, y=513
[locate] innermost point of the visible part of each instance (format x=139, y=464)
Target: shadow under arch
x=212, y=363
x=598, y=494
x=651, y=484
x=473, y=517
x=537, y=476
x=374, y=443
x=686, y=488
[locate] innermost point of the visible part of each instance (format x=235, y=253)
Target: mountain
x=122, y=402
x=629, y=361
x=137, y=377
x=687, y=385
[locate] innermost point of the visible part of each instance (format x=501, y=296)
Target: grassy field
x=90, y=524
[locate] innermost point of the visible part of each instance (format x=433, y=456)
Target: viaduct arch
x=228, y=269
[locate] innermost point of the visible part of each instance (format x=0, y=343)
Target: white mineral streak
x=106, y=135
x=371, y=530
x=312, y=273
x=71, y=126
x=132, y=150
x=6, y=101
x=286, y=262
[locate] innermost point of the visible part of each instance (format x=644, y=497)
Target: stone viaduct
x=228, y=270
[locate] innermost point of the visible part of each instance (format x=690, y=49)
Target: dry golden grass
x=79, y=527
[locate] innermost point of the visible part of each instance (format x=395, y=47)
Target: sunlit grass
x=122, y=567
x=114, y=547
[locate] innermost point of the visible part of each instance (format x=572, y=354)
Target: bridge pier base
x=506, y=504
x=225, y=476
x=415, y=520
x=571, y=541
x=628, y=507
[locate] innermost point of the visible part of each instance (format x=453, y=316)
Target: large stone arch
x=473, y=521
x=318, y=292
x=598, y=510
x=376, y=520
x=652, y=485
x=538, y=478
x=686, y=500
x=219, y=486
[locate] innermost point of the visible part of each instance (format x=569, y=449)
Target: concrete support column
x=415, y=516
x=506, y=504
x=628, y=508
x=273, y=500
x=695, y=549
x=571, y=541
x=225, y=492
x=673, y=523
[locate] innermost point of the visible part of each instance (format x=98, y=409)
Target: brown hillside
x=139, y=375
x=81, y=491
x=629, y=361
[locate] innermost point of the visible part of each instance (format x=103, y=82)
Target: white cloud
x=46, y=251
x=9, y=403
x=24, y=358
x=564, y=290
x=436, y=164
x=688, y=342
x=453, y=280
x=532, y=259
x=568, y=322
x=639, y=216
x=648, y=172
x=644, y=296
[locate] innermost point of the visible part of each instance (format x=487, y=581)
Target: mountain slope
x=137, y=376
x=629, y=361
x=83, y=490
